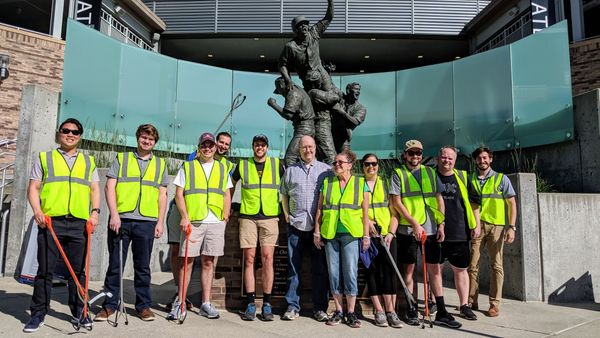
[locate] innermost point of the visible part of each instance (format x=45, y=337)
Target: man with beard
x=299, y=110
x=498, y=218
x=301, y=54
x=223, y=144
x=346, y=116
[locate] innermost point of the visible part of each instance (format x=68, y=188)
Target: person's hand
x=271, y=102
x=318, y=241
x=40, y=219
x=388, y=239
x=183, y=224
x=440, y=233
x=114, y=223
x=417, y=231
x=290, y=84
x=509, y=235
x=94, y=221
x=373, y=229
x=158, y=229
x=476, y=232
x=366, y=243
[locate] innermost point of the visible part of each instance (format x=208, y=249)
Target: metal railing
x=5, y=151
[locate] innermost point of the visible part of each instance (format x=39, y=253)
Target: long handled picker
x=425, y=290
x=182, y=308
x=410, y=301
x=121, y=310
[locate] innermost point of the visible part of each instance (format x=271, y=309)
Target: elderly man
x=299, y=197
x=299, y=110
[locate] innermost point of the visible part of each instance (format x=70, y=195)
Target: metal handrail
x=4, y=144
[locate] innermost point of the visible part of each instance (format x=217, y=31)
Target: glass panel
x=377, y=133
x=424, y=107
x=541, y=72
x=255, y=117
x=203, y=101
x=483, y=101
x=147, y=90
x=90, y=81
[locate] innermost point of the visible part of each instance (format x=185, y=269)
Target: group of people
x=332, y=214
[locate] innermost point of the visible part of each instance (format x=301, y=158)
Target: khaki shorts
x=253, y=230
x=206, y=239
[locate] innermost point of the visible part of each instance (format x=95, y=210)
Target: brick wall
x=34, y=59
x=585, y=65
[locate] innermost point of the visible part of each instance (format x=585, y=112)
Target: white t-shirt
x=207, y=166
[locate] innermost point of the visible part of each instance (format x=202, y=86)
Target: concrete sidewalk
x=517, y=319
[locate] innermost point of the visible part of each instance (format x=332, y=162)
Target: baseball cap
x=299, y=19
x=207, y=137
x=413, y=144
x=261, y=137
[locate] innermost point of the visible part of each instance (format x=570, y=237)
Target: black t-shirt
x=260, y=166
x=456, y=229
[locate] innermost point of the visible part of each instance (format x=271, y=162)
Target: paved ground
x=517, y=319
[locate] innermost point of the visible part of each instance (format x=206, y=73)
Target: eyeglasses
x=414, y=152
x=339, y=162
x=370, y=164
x=66, y=131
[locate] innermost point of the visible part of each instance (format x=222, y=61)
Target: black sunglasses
x=370, y=164
x=414, y=153
x=66, y=131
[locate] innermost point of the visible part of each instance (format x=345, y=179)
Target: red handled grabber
x=425, y=291
x=81, y=291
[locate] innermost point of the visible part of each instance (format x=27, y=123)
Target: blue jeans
x=141, y=236
x=343, y=248
x=298, y=242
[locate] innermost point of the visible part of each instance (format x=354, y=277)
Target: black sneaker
x=467, y=313
x=432, y=307
x=34, y=324
x=336, y=318
x=446, y=319
x=352, y=321
x=412, y=317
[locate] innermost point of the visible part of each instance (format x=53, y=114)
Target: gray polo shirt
x=396, y=189
x=301, y=183
x=113, y=172
x=37, y=174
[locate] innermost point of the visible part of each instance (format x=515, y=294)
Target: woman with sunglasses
x=342, y=219
x=383, y=222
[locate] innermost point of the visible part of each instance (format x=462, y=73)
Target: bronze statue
x=322, y=107
x=346, y=116
x=299, y=110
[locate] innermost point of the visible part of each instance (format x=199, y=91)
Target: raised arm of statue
x=322, y=25
x=286, y=114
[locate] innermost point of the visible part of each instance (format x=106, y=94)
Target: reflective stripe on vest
x=344, y=207
x=263, y=191
x=133, y=188
x=379, y=209
x=200, y=194
x=66, y=191
x=415, y=196
x=228, y=165
x=461, y=179
x=494, y=208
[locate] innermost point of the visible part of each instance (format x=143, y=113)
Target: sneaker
x=446, y=319
x=352, y=321
x=188, y=303
x=175, y=313
x=393, y=320
x=467, y=313
x=290, y=314
x=250, y=313
x=266, y=312
x=34, y=324
x=412, y=317
x=380, y=319
x=432, y=307
x=83, y=322
x=209, y=311
x=336, y=318
x=320, y=316
x=103, y=314
x=146, y=315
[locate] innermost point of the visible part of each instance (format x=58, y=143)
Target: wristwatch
x=513, y=227
x=96, y=210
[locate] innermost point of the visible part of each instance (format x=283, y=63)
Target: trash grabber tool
x=121, y=310
x=410, y=301
x=182, y=308
x=425, y=290
x=235, y=104
x=82, y=293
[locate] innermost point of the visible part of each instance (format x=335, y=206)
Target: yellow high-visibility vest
x=494, y=208
x=415, y=196
x=379, y=209
x=66, y=191
x=461, y=179
x=201, y=194
x=263, y=191
x=342, y=207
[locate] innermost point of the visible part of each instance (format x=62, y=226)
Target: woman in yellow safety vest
x=342, y=219
x=383, y=222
